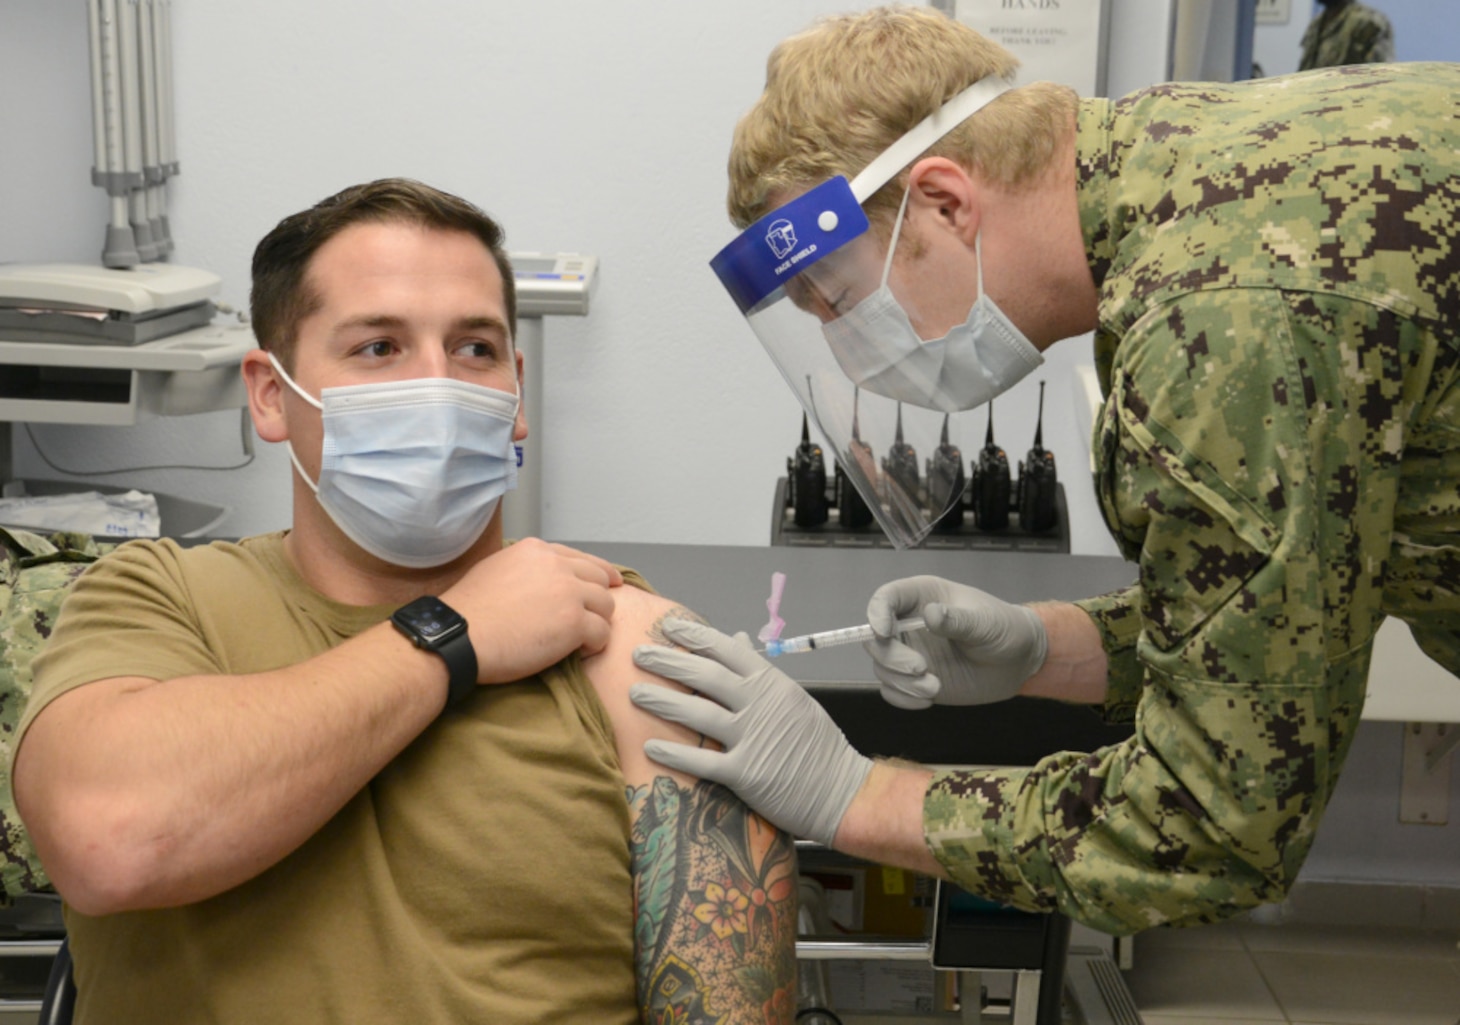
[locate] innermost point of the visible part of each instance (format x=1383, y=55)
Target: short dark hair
x=281, y=297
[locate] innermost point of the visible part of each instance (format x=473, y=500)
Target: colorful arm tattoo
x=714, y=908
x=714, y=902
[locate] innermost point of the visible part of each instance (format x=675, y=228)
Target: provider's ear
x=940, y=185
x=519, y=430
x=265, y=396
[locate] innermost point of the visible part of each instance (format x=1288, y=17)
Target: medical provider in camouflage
x=1346, y=32
x=35, y=573
x=1272, y=275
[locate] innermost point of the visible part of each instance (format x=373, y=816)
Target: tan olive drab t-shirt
x=482, y=876
x=1279, y=451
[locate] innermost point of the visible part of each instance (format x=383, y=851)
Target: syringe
x=833, y=638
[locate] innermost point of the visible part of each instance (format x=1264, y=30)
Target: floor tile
x=1221, y=936
x=1362, y=989
x=1294, y=937
x=1386, y=906
x=1186, y=982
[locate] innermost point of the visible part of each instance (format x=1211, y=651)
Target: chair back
x=60, y=998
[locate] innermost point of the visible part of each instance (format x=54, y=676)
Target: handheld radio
x=991, y=483
x=901, y=462
x=806, y=471
x=852, y=508
x=1037, y=480
x=945, y=484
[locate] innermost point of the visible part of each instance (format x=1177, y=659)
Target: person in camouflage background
x=1273, y=282
x=35, y=574
x=1346, y=32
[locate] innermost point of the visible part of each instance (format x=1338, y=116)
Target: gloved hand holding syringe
x=932, y=641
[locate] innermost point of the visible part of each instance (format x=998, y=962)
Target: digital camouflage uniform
x=1279, y=450
x=35, y=574
x=1347, y=33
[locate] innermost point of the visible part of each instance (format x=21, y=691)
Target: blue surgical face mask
x=412, y=471
x=877, y=346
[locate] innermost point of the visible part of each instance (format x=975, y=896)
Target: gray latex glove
x=976, y=649
x=783, y=755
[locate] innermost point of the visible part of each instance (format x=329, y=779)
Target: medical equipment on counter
x=60, y=382
x=981, y=504
x=835, y=638
x=83, y=304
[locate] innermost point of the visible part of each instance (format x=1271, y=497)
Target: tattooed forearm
x=715, y=909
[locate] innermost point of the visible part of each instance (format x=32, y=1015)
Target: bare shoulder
x=638, y=618
x=640, y=614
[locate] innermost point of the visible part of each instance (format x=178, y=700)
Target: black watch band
x=434, y=626
x=461, y=667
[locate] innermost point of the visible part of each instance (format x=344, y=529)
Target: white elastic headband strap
x=926, y=132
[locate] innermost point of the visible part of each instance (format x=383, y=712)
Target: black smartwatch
x=432, y=625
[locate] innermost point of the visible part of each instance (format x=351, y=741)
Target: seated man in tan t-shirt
x=271, y=784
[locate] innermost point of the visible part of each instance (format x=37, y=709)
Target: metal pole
x=167, y=136
x=132, y=128
x=120, y=248
x=151, y=141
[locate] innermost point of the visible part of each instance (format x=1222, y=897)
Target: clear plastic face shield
x=890, y=384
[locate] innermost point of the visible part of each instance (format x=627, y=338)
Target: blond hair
x=841, y=92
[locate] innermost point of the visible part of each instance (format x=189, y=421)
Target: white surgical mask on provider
x=877, y=346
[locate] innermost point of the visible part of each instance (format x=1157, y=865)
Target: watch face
x=432, y=619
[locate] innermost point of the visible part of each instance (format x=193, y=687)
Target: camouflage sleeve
x=35, y=575
x=1117, y=616
x=1249, y=460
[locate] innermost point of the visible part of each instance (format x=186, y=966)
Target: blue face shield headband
x=812, y=283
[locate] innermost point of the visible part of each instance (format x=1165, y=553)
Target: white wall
x=1277, y=47
x=582, y=126
x=599, y=128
